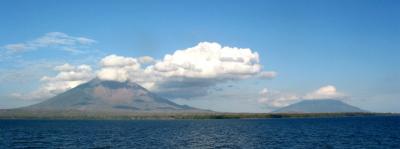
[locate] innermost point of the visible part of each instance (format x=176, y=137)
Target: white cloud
x=52, y=39
x=325, y=92
x=146, y=60
x=188, y=72
x=209, y=60
x=120, y=68
x=68, y=77
x=119, y=61
x=16, y=47
x=277, y=99
x=117, y=68
x=64, y=67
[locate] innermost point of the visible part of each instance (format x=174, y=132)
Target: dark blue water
x=355, y=132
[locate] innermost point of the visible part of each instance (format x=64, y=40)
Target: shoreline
x=101, y=115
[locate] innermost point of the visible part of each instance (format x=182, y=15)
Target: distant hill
x=319, y=106
x=110, y=96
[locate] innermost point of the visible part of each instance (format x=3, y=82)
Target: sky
x=231, y=56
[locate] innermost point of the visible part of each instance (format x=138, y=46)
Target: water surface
x=351, y=132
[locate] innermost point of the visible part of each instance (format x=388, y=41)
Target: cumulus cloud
x=325, y=92
x=275, y=99
x=68, y=77
x=209, y=60
x=52, y=39
x=117, y=68
x=190, y=72
x=120, y=68
x=185, y=73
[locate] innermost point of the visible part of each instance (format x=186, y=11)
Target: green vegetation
x=84, y=115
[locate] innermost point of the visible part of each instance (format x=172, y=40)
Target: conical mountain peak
x=319, y=106
x=106, y=95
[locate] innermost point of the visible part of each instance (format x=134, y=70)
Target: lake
x=347, y=132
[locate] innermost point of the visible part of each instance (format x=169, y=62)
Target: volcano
x=320, y=106
x=110, y=96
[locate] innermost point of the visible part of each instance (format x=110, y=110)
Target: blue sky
x=352, y=45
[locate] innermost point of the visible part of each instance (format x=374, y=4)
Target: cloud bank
x=185, y=73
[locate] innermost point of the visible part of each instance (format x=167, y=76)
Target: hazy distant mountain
x=113, y=96
x=319, y=106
